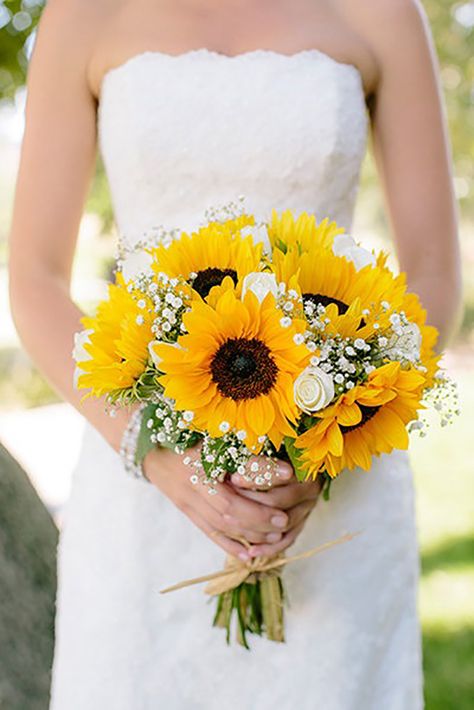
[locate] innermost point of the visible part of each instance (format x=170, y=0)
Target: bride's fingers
x=272, y=549
x=263, y=474
x=285, y=496
x=232, y=527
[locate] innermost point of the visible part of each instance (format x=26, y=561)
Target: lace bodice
x=179, y=133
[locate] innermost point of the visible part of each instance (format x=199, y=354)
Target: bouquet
x=283, y=338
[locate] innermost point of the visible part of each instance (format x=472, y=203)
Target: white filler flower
x=79, y=353
x=260, y=283
x=259, y=233
x=344, y=245
x=313, y=389
x=405, y=345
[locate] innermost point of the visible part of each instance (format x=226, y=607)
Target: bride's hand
x=295, y=497
x=219, y=516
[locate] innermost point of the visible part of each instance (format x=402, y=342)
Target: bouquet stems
x=256, y=603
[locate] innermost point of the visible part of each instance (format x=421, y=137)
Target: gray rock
x=28, y=542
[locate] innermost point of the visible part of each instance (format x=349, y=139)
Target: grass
x=444, y=480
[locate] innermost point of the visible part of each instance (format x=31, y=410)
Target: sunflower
x=286, y=231
x=206, y=256
x=324, y=278
x=121, y=331
x=235, y=367
x=368, y=420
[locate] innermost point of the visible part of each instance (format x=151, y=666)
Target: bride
x=192, y=103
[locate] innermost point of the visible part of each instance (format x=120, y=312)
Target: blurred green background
x=443, y=462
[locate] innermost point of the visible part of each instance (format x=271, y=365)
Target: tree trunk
x=28, y=540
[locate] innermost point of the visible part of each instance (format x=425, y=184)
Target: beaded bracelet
x=128, y=445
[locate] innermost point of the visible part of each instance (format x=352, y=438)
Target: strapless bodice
x=180, y=133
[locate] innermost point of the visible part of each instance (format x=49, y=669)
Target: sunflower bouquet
x=284, y=339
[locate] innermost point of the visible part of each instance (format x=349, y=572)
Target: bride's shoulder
x=393, y=32
x=78, y=29
x=72, y=24
x=396, y=20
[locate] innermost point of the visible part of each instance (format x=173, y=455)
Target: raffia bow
x=237, y=571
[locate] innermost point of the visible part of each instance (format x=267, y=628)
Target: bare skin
x=77, y=42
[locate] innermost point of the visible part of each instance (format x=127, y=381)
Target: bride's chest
x=278, y=113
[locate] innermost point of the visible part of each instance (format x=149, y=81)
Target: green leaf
x=144, y=444
x=326, y=489
x=293, y=455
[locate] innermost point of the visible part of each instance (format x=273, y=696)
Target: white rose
x=79, y=353
x=134, y=263
x=341, y=243
x=360, y=257
x=313, y=389
x=260, y=283
x=344, y=245
x=260, y=236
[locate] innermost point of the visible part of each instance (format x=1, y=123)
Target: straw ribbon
x=237, y=571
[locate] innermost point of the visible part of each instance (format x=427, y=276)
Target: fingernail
x=244, y=556
x=273, y=537
x=279, y=521
x=284, y=472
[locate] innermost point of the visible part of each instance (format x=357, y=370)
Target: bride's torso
x=179, y=133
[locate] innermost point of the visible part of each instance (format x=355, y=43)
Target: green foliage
x=144, y=443
x=293, y=455
x=18, y=19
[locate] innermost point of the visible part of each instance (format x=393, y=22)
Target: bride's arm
x=56, y=164
x=413, y=157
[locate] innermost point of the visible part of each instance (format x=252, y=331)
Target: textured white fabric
x=177, y=134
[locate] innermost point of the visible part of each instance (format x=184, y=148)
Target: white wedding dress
x=178, y=134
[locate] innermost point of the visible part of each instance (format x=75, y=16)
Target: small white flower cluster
x=348, y=361
x=169, y=427
x=443, y=397
x=169, y=299
x=290, y=303
x=403, y=342
x=223, y=213
x=226, y=455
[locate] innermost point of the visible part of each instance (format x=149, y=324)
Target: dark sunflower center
x=243, y=369
x=207, y=278
x=321, y=299
x=367, y=414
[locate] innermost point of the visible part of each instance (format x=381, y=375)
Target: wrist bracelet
x=128, y=445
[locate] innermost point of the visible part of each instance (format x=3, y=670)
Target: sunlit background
x=44, y=434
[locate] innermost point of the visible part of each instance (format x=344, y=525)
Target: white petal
x=134, y=263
